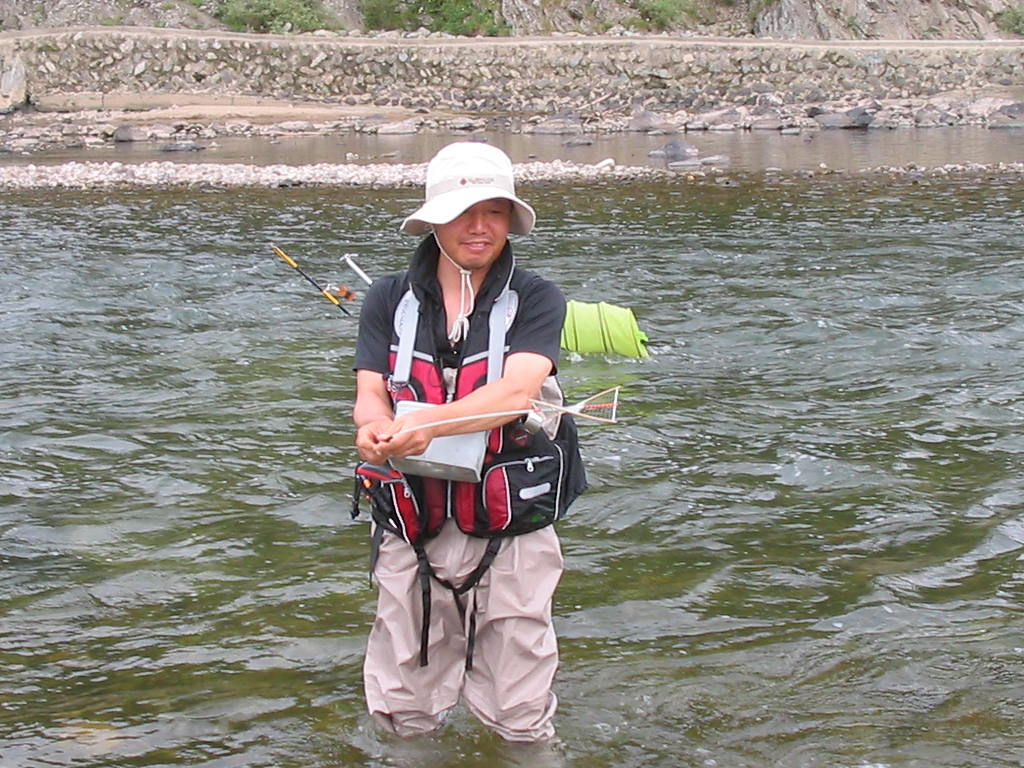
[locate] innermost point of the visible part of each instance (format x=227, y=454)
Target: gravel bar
x=89, y=175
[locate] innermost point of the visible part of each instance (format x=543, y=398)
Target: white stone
x=13, y=86
x=404, y=127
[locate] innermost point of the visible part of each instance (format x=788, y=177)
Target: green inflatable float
x=602, y=328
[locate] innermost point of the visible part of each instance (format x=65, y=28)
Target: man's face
x=475, y=238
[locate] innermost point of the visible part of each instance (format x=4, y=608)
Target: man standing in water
x=466, y=564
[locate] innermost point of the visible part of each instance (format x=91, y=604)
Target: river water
x=736, y=151
x=803, y=546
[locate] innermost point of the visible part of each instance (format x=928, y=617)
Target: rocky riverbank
x=187, y=127
x=179, y=92
x=193, y=127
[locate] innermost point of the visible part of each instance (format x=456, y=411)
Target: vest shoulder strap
x=407, y=315
x=502, y=314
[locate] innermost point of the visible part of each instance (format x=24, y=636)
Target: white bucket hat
x=461, y=175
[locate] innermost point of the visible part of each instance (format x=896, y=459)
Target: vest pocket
x=523, y=494
x=393, y=505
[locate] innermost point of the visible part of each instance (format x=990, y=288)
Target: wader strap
x=485, y=562
x=426, y=573
x=471, y=637
x=471, y=581
x=375, y=538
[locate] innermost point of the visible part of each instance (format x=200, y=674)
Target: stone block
x=13, y=86
x=129, y=133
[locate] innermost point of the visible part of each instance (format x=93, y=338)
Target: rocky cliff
x=880, y=19
x=779, y=19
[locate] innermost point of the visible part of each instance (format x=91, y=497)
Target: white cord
x=460, y=328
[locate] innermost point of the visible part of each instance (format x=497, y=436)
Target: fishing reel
x=533, y=422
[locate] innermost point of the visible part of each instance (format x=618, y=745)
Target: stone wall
x=522, y=76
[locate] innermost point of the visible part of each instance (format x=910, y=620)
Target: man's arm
x=373, y=415
x=521, y=381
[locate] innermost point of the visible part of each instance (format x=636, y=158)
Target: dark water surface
x=803, y=547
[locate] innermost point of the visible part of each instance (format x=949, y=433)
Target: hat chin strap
x=467, y=298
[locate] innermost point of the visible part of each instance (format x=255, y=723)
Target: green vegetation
x=466, y=17
x=271, y=15
x=483, y=17
x=855, y=27
x=756, y=7
x=456, y=17
x=1012, y=20
x=664, y=14
x=388, y=14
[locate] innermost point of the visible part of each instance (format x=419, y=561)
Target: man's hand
x=372, y=439
x=379, y=440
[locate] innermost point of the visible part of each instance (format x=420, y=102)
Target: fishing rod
x=291, y=263
x=602, y=408
x=348, y=257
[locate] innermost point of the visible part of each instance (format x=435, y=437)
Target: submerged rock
x=646, y=121
x=181, y=146
x=1010, y=116
x=561, y=124
x=857, y=117
x=675, y=150
x=717, y=161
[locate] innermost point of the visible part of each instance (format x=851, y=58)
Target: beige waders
x=515, y=654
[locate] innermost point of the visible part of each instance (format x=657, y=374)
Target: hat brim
x=450, y=205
